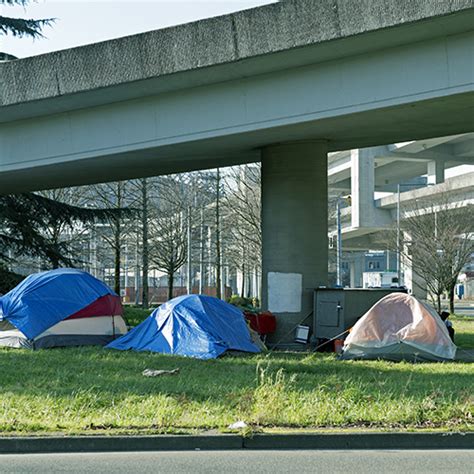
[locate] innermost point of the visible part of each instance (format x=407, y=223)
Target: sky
x=80, y=22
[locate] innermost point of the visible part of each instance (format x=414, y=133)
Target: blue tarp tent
x=43, y=299
x=194, y=326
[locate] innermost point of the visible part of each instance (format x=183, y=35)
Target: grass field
x=97, y=391
x=134, y=315
x=464, y=327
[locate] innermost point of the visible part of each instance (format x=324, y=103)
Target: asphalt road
x=464, y=309
x=272, y=462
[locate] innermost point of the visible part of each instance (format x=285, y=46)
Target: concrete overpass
x=425, y=171
x=422, y=168
x=285, y=83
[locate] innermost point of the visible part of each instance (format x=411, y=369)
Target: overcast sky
x=81, y=22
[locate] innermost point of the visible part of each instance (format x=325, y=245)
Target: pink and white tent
x=399, y=327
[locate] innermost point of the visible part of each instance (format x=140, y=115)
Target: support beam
x=435, y=172
x=412, y=276
x=421, y=156
x=364, y=213
x=294, y=227
x=362, y=188
x=357, y=269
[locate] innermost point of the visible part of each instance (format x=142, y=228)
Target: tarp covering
x=192, y=325
x=399, y=327
x=43, y=299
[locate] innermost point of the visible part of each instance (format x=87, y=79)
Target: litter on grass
x=238, y=425
x=158, y=373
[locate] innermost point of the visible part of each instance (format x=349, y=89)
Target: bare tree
x=115, y=195
x=170, y=225
x=144, y=184
x=242, y=228
x=440, y=242
x=143, y=199
x=218, y=191
x=169, y=247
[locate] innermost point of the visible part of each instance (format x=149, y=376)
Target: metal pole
x=339, y=245
x=209, y=253
x=201, y=263
x=222, y=280
x=137, y=271
x=189, y=266
x=125, y=283
x=399, y=271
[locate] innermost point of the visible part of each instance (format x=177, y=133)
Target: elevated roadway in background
x=421, y=168
x=284, y=84
x=422, y=176
x=401, y=162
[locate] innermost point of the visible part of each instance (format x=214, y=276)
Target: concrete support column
x=362, y=188
x=356, y=269
x=412, y=278
x=435, y=172
x=294, y=231
x=353, y=271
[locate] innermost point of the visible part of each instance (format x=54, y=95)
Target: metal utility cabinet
x=338, y=309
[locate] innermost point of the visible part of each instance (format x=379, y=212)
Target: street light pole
x=339, y=245
x=189, y=266
x=398, y=238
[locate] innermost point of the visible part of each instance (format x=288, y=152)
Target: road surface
x=246, y=462
x=465, y=309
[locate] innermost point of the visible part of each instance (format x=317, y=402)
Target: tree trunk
x=144, y=243
x=244, y=256
x=218, y=236
x=201, y=263
x=438, y=300
x=242, y=293
x=54, y=262
x=137, y=268
x=189, y=267
x=170, y=285
x=117, y=241
x=117, y=259
x=451, y=299
x=55, y=241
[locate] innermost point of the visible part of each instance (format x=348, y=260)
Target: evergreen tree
x=20, y=27
x=24, y=218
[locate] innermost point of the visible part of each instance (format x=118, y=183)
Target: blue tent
x=193, y=325
x=44, y=299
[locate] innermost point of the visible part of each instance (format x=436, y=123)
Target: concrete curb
x=338, y=441
x=363, y=441
x=84, y=444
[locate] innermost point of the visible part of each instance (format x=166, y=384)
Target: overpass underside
x=403, y=93
x=325, y=86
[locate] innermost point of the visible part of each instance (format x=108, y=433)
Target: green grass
x=97, y=391
x=134, y=315
x=464, y=331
